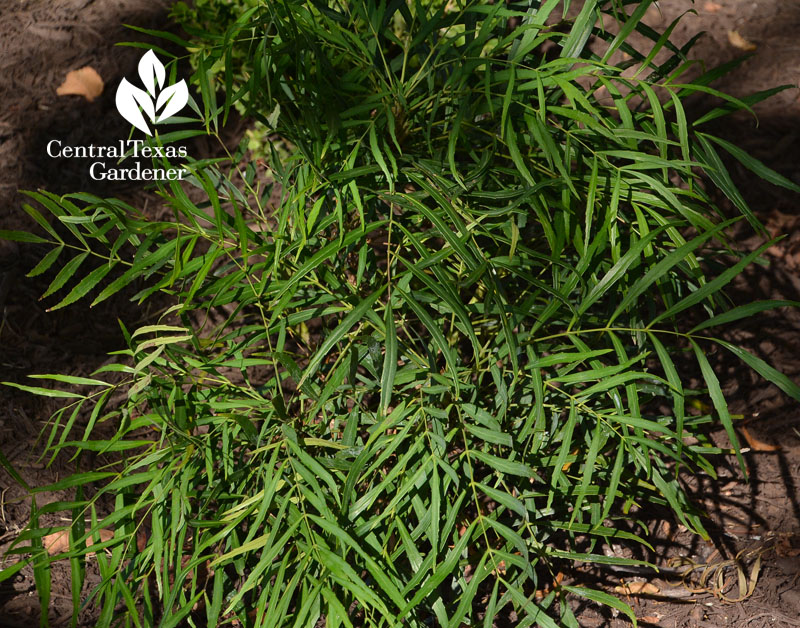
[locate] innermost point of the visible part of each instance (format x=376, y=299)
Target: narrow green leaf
x=389, y=359
x=46, y=262
x=772, y=375
x=20, y=236
x=355, y=315
x=603, y=598
x=84, y=286
x=718, y=399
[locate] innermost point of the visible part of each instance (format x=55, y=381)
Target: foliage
x=433, y=372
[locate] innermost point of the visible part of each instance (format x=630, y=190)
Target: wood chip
x=85, y=82
x=712, y=7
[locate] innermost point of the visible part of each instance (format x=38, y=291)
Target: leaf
x=389, y=359
x=637, y=588
x=602, y=598
x=337, y=334
x=436, y=334
x=46, y=262
x=84, y=82
x=740, y=42
x=84, y=286
x=65, y=274
x=742, y=311
x=581, y=29
x=754, y=165
x=712, y=286
x=620, y=269
x=20, y=236
x=6, y=464
x=44, y=392
x=58, y=542
x=718, y=399
x=769, y=373
x=755, y=444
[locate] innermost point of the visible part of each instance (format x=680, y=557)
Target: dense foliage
x=417, y=358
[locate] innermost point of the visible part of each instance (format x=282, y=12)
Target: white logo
x=132, y=101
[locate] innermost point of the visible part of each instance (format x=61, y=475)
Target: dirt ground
x=758, y=522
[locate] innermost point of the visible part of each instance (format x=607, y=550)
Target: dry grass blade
x=715, y=577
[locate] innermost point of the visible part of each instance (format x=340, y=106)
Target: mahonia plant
x=427, y=353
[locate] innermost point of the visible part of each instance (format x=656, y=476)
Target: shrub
x=433, y=371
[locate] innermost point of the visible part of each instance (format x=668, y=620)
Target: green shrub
x=433, y=372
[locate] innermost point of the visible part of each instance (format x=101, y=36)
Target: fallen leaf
x=58, y=542
x=784, y=548
x=567, y=465
x=712, y=7
x=540, y=594
x=85, y=82
x=501, y=569
x=650, y=619
x=638, y=588
x=757, y=445
x=740, y=42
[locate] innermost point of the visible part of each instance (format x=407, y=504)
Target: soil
x=755, y=524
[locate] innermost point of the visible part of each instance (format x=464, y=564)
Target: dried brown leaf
x=85, y=82
x=757, y=445
x=58, y=542
x=740, y=42
x=638, y=588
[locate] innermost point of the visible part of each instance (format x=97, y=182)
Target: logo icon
x=134, y=103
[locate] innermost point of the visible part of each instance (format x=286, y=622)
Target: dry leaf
x=58, y=542
x=650, y=619
x=757, y=445
x=784, y=548
x=638, y=588
x=501, y=569
x=740, y=42
x=540, y=594
x=567, y=465
x=85, y=82
x=712, y=7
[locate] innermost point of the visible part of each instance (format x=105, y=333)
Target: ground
x=757, y=521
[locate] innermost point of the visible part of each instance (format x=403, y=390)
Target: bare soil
x=754, y=526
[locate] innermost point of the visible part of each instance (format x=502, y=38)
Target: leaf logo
x=134, y=104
